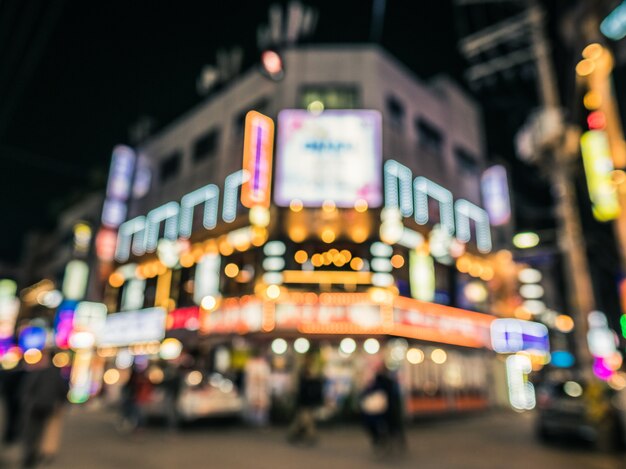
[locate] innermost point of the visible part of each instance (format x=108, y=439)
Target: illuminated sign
x=258, y=144
x=515, y=335
x=133, y=327
x=333, y=155
x=614, y=25
x=207, y=279
x=402, y=196
x=32, y=337
x=90, y=317
x=184, y=318
x=140, y=234
x=64, y=323
x=495, y=192
x=318, y=318
x=594, y=145
x=422, y=276
x=439, y=323
x=9, y=307
x=233, y=317
x=75, y=280
x=118, y=186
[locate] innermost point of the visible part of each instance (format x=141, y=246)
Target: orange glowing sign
x=258, y=144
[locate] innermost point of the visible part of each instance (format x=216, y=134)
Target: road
x=498, y=440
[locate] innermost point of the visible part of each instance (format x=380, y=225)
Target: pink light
x=600, y=369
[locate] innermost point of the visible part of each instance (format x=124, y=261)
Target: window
x=466, y=161
x=206, y=145
x=240, y=119
x=429, y=137
x=331, y=96
x=395, y=111
x=170, y=166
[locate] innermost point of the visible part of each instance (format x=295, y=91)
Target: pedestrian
x=381, y=406
x=309, y=396
x=171, y=386
x=10, y=391
x=257, y=389
x=44, y=392
x=134, y=394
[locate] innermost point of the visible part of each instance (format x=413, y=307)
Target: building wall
x=377, y=77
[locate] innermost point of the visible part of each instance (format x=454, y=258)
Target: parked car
x=575, y=408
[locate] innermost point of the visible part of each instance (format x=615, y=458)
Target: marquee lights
x=397, y=179
x=142, y=232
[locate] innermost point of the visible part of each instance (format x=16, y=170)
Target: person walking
x=44, y=393
x=381, y=406
x=309, y=396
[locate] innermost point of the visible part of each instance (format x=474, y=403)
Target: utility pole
x=553, y=145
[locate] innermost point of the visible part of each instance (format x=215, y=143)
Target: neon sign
x=257, y=160
x=596, y=154
x=398, y=199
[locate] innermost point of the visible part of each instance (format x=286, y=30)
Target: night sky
x=75, y=75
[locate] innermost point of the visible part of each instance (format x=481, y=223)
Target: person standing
x=10, y=387
x=309, y=396
x=257, y=389
x=381, y=405
x=44, y=392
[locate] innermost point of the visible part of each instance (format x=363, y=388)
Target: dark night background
x=75, y=75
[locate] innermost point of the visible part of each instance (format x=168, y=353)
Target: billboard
x=335, y=155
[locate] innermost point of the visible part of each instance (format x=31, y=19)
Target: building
x=371, y=242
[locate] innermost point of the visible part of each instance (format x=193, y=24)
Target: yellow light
x=585, y=67
x=61, y=359
x=328, y=236
x=187, y=259
x=328, y=206
x=526, y=240
x=414, y=356
x=297, y=234
x=225, y=248
x=596, y=153
x=317, y=260
x=397, y=261
x=463, y=264
x=592, y=100
x=564, y=323
x=111, y=376
x=163, y=288
x=347, y=255
x=593, y=51
x=487, y=273
x=259, y=216
x=476, y=269
x=296, y=205
x=32, y=356
x=161, y=268
x=315, y=106
x=116, y=280
x=618, y=176
x=328, y=258
x=300, y=256
x=359, y=234
x=231, y=270
x=208, y=303
x=360, y=205
x=438, y=356
x=273, y=292
x=156, y=375
x=356, y=263
x=522, y=313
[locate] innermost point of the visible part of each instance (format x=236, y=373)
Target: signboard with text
x=335, y=155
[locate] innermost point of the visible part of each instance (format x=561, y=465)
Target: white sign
x=122, y=329
x=335, y=155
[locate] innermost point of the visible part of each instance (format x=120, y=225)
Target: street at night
x=493, y=441
x=313, y=234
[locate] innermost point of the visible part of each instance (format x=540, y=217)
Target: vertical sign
x=594, y=146
x=258, y=144
x=495, y=192
x=422, y=276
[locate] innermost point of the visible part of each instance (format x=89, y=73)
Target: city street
x=499, y=440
